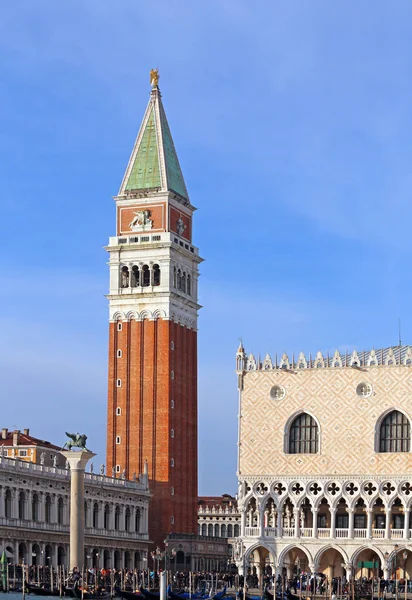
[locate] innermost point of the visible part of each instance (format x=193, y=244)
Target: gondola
x=39, y=591
x=129, y=595
x=150, y=595
x=201, y=595
x=279, y=595
x=219, y=595
x=76, y=592
x=186, y=595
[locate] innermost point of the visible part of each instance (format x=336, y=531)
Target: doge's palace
x=325, y=463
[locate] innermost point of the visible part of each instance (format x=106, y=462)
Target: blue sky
x=292, y=122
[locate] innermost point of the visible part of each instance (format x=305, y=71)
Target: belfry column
x=77, y=462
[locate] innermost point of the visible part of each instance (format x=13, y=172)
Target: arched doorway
x=22, y=553
x=293, y=561
x=35, y=555
x=95, y=558
x=107, y=563
x=331, y=563
x=10, y=555
x=367, y=563
x=48, y=557
x=260, y=564
x=61, y=556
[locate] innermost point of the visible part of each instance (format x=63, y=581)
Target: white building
x=34, y=516
x=325, y=463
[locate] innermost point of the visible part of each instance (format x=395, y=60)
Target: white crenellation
x=398, y=355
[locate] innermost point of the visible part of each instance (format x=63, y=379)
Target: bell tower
x=152, y=388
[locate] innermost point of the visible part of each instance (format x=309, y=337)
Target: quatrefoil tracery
x=279, y=488
x=261, y=489
x=315, y=488
x=333, y=489
x=297, y=488
x=369, y=488
x=388, y=488
x=407, y=488
x=351, y=488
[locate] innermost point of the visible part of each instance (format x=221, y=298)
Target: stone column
x=42, y=506
x=280, y=516
x=77, y=462
x=315, y=522
x=388, y=514
x=406, y=524
x=296, y=514
x=369, y=514
x=351, y=514
x=262, y=522
x=332, y=522
x=242, y=522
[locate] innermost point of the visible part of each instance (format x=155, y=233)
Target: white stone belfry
x=77, y=462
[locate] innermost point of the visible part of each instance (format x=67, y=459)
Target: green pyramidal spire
x=153, y=163
x=145, y=171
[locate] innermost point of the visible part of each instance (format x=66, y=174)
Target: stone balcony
x=327, y=533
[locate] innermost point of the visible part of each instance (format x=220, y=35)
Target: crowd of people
x=302, y=585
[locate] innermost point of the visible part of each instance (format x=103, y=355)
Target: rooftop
x=217, y=501
x=23, y=438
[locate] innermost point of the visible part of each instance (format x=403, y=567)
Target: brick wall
x=153, y=375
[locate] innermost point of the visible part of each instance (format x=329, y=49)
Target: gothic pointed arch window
x=395, y=433
x=303, y=435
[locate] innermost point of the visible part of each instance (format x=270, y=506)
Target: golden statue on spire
x=154, y=78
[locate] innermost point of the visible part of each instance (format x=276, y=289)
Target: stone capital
x=77, y=460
